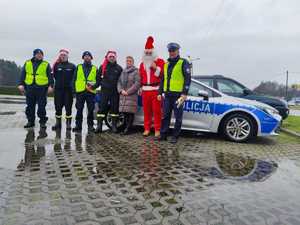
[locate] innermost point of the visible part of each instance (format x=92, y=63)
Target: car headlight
x=270, y=111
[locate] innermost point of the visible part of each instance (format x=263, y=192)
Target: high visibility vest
x=81, y=81
x=40, y=75
x=176, y=79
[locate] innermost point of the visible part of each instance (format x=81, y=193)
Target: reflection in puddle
x=242, y=168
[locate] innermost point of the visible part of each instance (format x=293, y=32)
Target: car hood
x=266, y=99
x=247, y=102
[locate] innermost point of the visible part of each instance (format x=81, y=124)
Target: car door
x=198, y=112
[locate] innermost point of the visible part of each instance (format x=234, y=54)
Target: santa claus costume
x=151, y=72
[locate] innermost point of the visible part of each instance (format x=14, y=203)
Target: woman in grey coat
x=128, y=86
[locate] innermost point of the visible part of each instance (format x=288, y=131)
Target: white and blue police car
x=208, y=110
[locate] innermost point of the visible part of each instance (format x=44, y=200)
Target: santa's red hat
x=149, y=43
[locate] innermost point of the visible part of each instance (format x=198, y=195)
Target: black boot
x=29, y=125
x=57, y=125
x=91, y=129
x=128, y=123
x=43, y=125
x=77, y=129
x=99, y=126
x=68, y=123
x=114, y=125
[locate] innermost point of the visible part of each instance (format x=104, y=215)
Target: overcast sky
x=250, y=40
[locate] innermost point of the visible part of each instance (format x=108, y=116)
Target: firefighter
x=109, y=72
x=63, y=72
x=85, y=83
x=35, y=82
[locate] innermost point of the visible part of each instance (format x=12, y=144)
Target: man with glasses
x=175, y=86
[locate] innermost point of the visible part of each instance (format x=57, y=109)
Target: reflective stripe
x=68, y=117
x=101, y=115
x=58, y=117
x=114, y=115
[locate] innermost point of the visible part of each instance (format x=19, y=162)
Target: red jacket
x=153, y=79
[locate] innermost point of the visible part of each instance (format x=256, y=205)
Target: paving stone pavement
x=63, y=178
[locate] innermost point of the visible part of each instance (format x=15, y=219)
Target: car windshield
x=207, y=81
x=196, y=87
x=229, y=87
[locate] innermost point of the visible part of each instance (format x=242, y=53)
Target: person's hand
x=21, y=89
x=184, y=97
x=159, y=97
x=123, y=92
x=50, y=90
x=154, y=66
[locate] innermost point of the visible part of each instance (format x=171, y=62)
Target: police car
x=208, y=110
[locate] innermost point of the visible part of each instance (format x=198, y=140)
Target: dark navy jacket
x=186, y=69
x=63, y=75
x=35, y=64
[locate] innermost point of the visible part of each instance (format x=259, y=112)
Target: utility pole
x=287, y=85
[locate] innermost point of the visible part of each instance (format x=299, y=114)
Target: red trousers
x=152, y=107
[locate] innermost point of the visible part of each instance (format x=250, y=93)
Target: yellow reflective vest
x=81, y=81
x=176, y=79
x=40, y=75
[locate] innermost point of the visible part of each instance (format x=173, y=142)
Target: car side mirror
x=203, y=94
x=247, y=91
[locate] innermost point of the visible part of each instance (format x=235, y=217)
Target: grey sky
x=247, y=40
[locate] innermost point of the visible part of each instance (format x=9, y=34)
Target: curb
x=295, y=134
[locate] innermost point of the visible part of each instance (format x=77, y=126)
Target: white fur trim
x=157, y=71
x=150, y=88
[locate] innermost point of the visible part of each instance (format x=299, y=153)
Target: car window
x=207, y=81
x=195, y=87
x=229, y=87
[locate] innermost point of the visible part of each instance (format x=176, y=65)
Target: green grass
x=295, y=107
x=292, y=123
x=6, y=90
x=284, y=138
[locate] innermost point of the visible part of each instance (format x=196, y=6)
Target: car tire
x=121, y=122
x=238, y=127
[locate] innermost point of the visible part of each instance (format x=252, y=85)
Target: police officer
x=63, y=72
x=35, y=82
x=109, y=72
x=175, y=86
x=84, y=83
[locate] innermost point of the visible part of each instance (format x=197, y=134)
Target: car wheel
x=238, y=127
x=120, y=124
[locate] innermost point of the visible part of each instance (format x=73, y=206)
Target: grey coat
x=130, y=82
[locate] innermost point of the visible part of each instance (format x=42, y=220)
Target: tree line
x=9, y=73
x=275, y=89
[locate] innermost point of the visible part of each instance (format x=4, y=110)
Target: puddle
x=7, y=113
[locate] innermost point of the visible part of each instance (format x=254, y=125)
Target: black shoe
x=162, y=137
x=43, y=125
x=173, y=140
x=77, y=129
x=68, y=124
x=91, y=129
x=57, y=125
x=99, y=126
x=29, y=125
x=114, y=126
